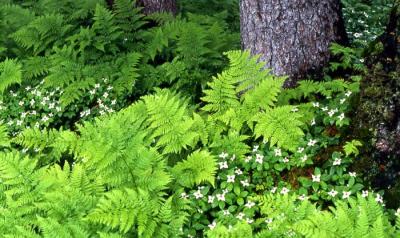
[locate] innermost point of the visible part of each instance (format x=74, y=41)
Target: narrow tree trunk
x=151, y=6
x=292, y=36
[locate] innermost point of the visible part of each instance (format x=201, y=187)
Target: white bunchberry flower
x=331, y=113
x=245, y=183
x=211, y=199
x=25, y=150
x=52, y=105
x=342, y=100
x=341, y=117
x=238, y=171
x=364, y=193
x=333, y=193
x=231, y=178
x=358, y=35
x=113, y=102
x=58, y=109
x=259, y=158
x=273, y=190
x=313, y=122
x=20, y=103
x=198, y=194
x=311, y=142
x=109, y=88
x=248, y=158
x=19, y=122
x=226, y=213
x=285, y=160
x=324, y=109
x=294, y=109
x=37, y=125
x=379, y=198
x=348, y=93
x=45, y=118
x=223, y=155
x=353, y=174
x=268, y=221
x=105, y=80
x=315, y=104
x=233, y=158
x=397, y=212
x=97, y=85
x=92, y=92
x=221, y=197
x=249, y=221
x=249, y=204
x=184, y=195
x=300, y=149
x=212, y=225
x=316, y=178
x=278, y=152
x=304, y=158
x=337, y=161
x=105, y=95
x=28, y=88
x=284, y=190
x=223, y=165
x=346, y=194
x=240, y=216
x=255, y=148
x=32, y=102
x=302, y=197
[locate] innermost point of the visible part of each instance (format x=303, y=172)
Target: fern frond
x=10, y=73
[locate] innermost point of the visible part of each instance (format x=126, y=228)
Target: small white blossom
x=285, y=160
x=337, y=161
x=233, y=158
x=184, y=195
x=348, y=93
x=255, y=148
x=311, y=142
x=300, y=149
x=58, y=109
x=97, y=85
x=198, y=194
x=105, y=95
x=223, y=165
x=45, y=118
x=273, y=190
x=313, y=122
x=341, y=117
x=316, y=178
x=109, y=88
x=342, y=100
x=249, y=221
x=294, y=109
x=268, y=221
x=357, y=35
x=92, y=92
x=364, y=193
x=19, y=122
x=333, y=193
x=249, y=204
x=324, y=109
x=226, y=213
x=315, y=104
x=248, y=158
x=304, y=158
x=259, y=158
x=379, y=198
x=302, y=197
x=353, y=174
x=211, y=199
x=245, y=183
x=231, y=178
x=397, y=212
x=238, y=171
x=278, y=152
x=32, y=102
x=212, y=225
x=240, y=216
x=331, y=113
x=113, y=102
x=284, y=190
x=223, y=155
x=346, y=194
x=221, y=197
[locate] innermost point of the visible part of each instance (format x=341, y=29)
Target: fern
x=199, y=167
x=10, y=73
x=280, y=126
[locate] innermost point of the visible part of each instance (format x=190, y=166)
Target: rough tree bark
x=151, y=6
x=292, y=36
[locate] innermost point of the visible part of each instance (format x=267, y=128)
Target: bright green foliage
x=280, y=126
x=10, y=73
x=351, y=147
x=199, y=167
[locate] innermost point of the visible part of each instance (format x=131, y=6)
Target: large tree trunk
x=292, y=36
x=151, y=6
